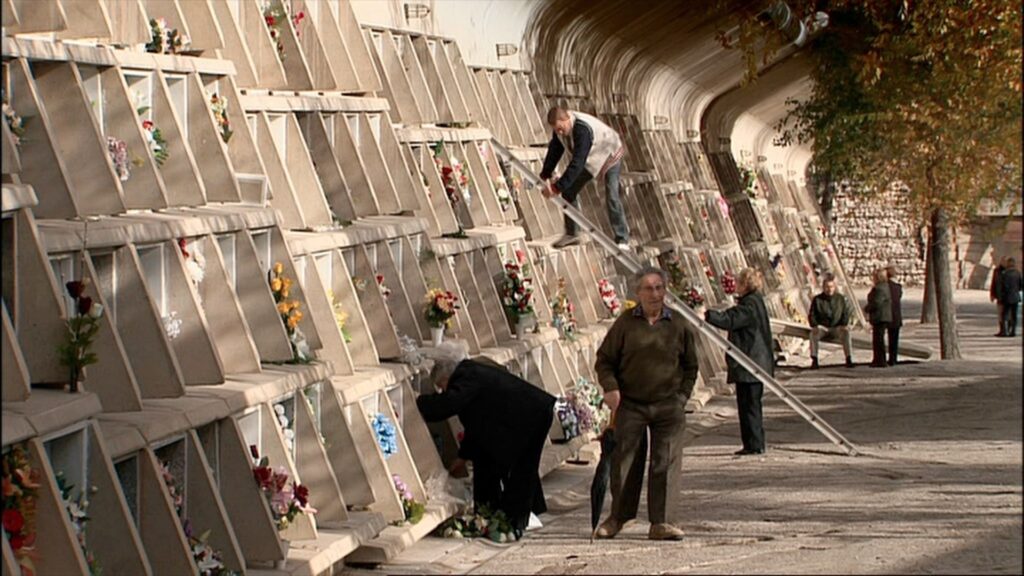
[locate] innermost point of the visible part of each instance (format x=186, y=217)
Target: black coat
x=1009, y=286
x=751, y=331
x=896, y=296
x=499, y=411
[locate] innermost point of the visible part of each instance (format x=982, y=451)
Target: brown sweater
x=648, y=363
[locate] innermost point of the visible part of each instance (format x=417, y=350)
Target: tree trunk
x=949, y=338
x=929, y=312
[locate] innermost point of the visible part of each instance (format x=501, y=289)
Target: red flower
x=263, y=475
x=147, y=124
x=181, y=246
x=17, y=543
x=302, y=494
x=75, y=288
x=13, y=521
x=270, y=19
x=254, y=451
x=84, y=305
x=520, y=256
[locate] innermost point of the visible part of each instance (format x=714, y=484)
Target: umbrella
x=602, y=475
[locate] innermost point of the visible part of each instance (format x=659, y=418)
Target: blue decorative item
x=386, y=435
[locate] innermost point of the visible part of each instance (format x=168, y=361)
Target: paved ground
x=937, y=489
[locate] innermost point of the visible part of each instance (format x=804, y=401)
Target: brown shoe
x=664, y=532
x=609, y=528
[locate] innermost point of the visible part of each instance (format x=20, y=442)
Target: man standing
x=879, y=310
x=506, y=421
x=896, y=295
x=1010, y=286
x=647, y=366
x=596, y=150
x=829, y=317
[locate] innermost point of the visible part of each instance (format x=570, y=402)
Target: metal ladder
x=629, y=260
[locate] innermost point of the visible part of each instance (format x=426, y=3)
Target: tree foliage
x=925, y=94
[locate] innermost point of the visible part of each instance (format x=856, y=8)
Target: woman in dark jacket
x=750, y=330
x=506, y=423
x=879, y=310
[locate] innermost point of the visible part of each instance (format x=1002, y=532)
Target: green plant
x=83, y=323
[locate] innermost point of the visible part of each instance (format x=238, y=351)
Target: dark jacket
x=995, y=289
x=896, y=299
x=829, y=311
x=1010, y=284
x=499, y=411
x=879, y=307
x=593, y=144
x=750, y=330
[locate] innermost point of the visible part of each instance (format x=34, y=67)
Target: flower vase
x=436, y=335
x=523, y=325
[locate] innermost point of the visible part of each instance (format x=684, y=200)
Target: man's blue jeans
x=616, y=214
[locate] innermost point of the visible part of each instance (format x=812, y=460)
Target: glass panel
x=9, y=261
x=140, y=90
x=279, y=132
x=208, y=439
x=324, y=267
x=249, y=424
x=262, y=241
x=106, y=272
x=68, y=456
x=374, y=125
x=226, y=242
x=353, y=126
x=64, y=266
x=178, y=89
x=91, y=83
x=152, y=260
x=128, y=475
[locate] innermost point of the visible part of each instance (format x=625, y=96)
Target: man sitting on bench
x=829, y=317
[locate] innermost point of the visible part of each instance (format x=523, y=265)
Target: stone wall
x=873, y=232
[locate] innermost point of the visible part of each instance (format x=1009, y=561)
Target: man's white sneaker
x=624, y=246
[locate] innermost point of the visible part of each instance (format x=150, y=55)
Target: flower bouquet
x=484, y=523
x=440, y=307
x=83, y=323
x=286, y=503
x=517, y=290
x=384, y=290
x=20, y=492
x=77, y=508
x=275, y=16
x=15, y=123
x=219, y=107
x=340, y=316
x=209, y=561
x=563, y=312
x=676, y=276
x=155, y=139
x=177, y=497
x=280, y=286
x=692, y=295
x=118, y=151
x=164, y=39
x=386, y=435
x=456, y=182
x=728, y=282
x=413, y=510
x=609, y=297
x=504, y=196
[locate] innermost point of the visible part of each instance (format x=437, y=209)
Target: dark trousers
x=748, y=401
x=666, y=421
x=878, y=332
x=514, y=489
x=1009, y=321
x=629, y=501
x=894, y=342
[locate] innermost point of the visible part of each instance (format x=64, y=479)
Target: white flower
x=195, y=270
x=283, y=421
x=172, y=325
x=279, y=408
x=96, y=310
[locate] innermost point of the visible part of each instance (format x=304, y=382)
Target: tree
x=922, y=95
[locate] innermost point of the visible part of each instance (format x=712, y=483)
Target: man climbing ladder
x=628, y=259
x=596, y=150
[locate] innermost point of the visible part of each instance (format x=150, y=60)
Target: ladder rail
x=629, y=260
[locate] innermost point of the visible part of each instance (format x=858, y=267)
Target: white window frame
x=252, y=414
x=92, y=82
x=140, y=91
x=109, y=299
x=226, y=243
x=78, y=452
x=279, y=133
x=324, y=263
x=177, y=89
x=353, y=126
x=64, y=266
x=262, y=240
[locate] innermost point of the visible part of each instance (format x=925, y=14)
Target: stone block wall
x=875, y=232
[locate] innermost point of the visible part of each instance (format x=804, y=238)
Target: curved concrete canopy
x=650, y=58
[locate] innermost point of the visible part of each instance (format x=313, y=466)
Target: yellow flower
x=287, y=282
x=294, y=304
x=278, y=268
x=283, y=307
x=630, y=304
x=284, y=292
x=292, y=322
x=297, y=315
x=275, y=284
